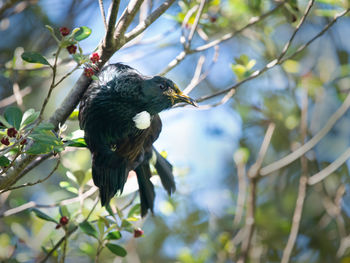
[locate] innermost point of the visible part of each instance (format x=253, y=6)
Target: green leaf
x=4, y=121
x=29, y=117
x=46, y=138
x=40, y=148
x=78, y=142
x=43, y=216
x=116, y=249
x=115, y=235
x=82, y=33
x=94, y=77
x=64, y=211
x=135, y=210
x=45, y=126
x=88, y=229
x=34, y=57
x=13, y=115
x=64, y=184
x=4, y=161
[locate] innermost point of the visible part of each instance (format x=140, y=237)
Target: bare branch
x=316, y=178
x=37, y=182
x=242, y=190
x=253, y=21
x=33, y=204
x=302, y=187
x=126, y=19
x=253, y=175
x=307, y=11
x=149, y=20
x=311, y=143
x=275, y=62
x=12, y=99
x=112, y=18
x=102, y=9
x=195, y=24
x=181, y=56
x=254, y=169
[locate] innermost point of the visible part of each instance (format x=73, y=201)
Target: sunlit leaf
x=29, y=117
x=78, y=142
x=135, y=211
x=114, y=235
x=34, y=57
x=82, y=33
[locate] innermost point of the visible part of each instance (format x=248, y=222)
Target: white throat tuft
x=142, y=120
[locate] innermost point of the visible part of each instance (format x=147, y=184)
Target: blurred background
x=208, y=145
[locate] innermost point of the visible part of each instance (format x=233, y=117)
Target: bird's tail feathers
x=109, y=173
x=146, y=188
x=165, y=172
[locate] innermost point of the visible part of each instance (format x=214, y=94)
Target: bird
x=119, y=115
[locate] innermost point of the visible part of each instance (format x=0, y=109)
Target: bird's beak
x=184, y=98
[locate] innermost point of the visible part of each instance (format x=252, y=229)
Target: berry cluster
x=72, y=49
x=12, y=133
x=63, y=222
x=89, y=71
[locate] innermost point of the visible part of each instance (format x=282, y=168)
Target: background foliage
x=272, y=79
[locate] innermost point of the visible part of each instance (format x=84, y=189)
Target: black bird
x=119, y=114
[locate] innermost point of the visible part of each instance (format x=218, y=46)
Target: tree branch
x=275, y=62
x=299, y=205
x=148, y=21
x=310, y=144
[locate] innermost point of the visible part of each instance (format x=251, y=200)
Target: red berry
x=64, y=220
x=58, y=226
x=5, y=141
x=89, y=72
x=94, y=58
x=64, y=31
x=23, y=142
x=72, y=49
x=138, y=232
x=213, y=19
x=11, y=132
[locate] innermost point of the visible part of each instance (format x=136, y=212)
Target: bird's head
x=162, y=93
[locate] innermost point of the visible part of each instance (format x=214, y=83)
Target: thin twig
x=195, y=24
x=318, y=177
x=112, y=18
x=310, y=144
x=253, y=175
x=241, y=196
x=67, y=234
x=33, y=204
x=102, y=9
x=307, y=11
x=253, y=21
x=11, y=99
x=37, y=182
x=275, y=62
x=149, y=20
x=126, y=19
x=299, y=205
x=52, y=86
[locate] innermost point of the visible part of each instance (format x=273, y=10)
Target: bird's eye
x=162, y=86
